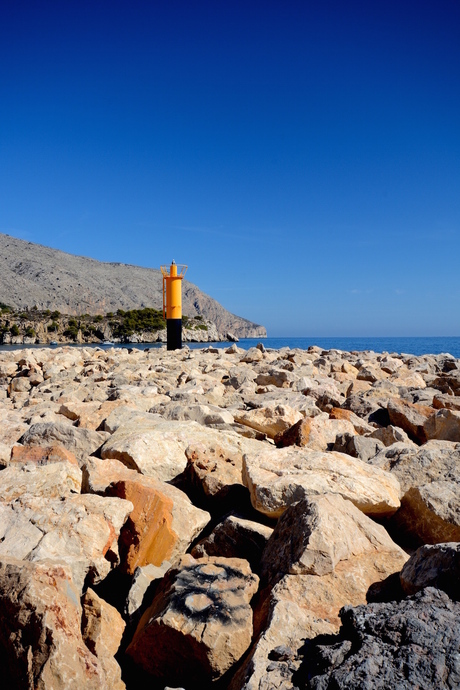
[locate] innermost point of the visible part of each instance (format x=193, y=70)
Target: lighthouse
x=172, y=303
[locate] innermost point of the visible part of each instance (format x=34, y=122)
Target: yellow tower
x=172, y=303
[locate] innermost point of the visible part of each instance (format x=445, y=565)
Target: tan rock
x=278, y=477
x=410, y=417
x=418, y=465
x=360, y=425
x=81, y=442
x=200, y=615
x=313, y=535
x=80, y=532
x=443, y=425
x=40, y=630
x=55, y=480
x=316, y=433
x=269, y=420
x=216, y=464
x=183, y=520
x=430, y=514
x=102, y=629
x=41, y=455
x=300, y=607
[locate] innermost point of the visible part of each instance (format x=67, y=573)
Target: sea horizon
x=416, y=345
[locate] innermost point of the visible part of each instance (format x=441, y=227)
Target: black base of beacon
x=174, y=334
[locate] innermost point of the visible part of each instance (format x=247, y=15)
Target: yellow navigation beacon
x=172, y=303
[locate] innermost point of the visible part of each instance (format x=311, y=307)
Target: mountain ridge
x=36, y=275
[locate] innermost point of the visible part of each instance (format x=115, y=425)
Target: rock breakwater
x=204, y=516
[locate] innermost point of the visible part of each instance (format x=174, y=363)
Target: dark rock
x=408, y=644
x=361, y=447
x=435, y=565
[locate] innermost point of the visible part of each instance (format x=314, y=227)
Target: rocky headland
x=222, y=518
x=34, y=276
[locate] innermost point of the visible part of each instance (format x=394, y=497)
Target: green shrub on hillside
x=14, y=330
x=30, y=333
x=137, y=320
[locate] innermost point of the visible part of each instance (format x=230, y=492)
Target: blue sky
x=303, y=158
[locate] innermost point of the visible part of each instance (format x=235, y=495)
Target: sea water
x=414, y=346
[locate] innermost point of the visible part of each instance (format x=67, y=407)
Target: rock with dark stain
x=408, y=644
x=200, y=621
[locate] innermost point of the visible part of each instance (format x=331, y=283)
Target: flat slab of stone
x=276, y=478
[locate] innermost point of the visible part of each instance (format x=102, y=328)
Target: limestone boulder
x=443, y=425
x=410, y=417
x=143, y=577
x=301, y=607
x=315, y=534
x=54, y=480
x=390, y=434
x=157, y=448
x=102, y=629
x=430, y=514
x=215, y=464
x=417, y=465
x=276, y=478
x=81, y=442
x=235, y=537
x=163, y=523
x=317, y=433
x=269, y=420
x=200, y=621
x=207, y=415
x=80, y=532
x=41, y=644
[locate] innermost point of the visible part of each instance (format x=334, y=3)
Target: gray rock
x=82, y=442
x=435, y=565
x=409, y=644
x=362, y=447
x=235, y=538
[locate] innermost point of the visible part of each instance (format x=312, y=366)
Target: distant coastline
x=412, y=346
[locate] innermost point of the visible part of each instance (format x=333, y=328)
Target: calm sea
x=414, y=346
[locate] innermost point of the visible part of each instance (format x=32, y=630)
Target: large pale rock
x=444, y=425
x=436, y=565
x=200, y=622
x=40, y=630
x=313, y=535
x=206, y=415
x=102, y=629
x=316, y=433
x=430, y=514
x=81, y=442
x=183, y=522
x=390, y=434
x=235, y=537
x=415, y=466
x=215, y=464
x=41, y=455
x=80, y=531
x=157, y=448
x=410, y=417
x=278, y=477
x=299, y=608
x=360, y=425
x=56, y=480
x=18, y=536
x=269, y=420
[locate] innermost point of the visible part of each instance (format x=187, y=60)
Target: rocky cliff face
x=33, y=275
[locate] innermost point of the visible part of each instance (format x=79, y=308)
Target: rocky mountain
x=34, y=275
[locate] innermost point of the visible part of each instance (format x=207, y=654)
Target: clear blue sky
x=303, y=158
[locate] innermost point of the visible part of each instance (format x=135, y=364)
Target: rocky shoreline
x=229, y=519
